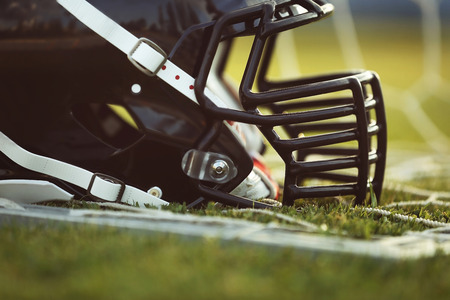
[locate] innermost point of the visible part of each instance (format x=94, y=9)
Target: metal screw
x=220, y=168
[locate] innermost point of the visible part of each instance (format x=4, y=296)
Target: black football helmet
x=68, y=94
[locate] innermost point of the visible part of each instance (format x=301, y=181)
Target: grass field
x=73, y=262
x=93, y=263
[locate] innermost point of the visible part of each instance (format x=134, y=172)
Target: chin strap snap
x=98, y=186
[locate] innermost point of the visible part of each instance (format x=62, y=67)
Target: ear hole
x=111, y=124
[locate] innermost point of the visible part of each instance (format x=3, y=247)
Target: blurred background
x=407, y=42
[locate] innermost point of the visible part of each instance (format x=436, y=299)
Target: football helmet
x=136, y=94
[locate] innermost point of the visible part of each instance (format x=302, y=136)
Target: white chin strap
x=98, y=186
x=143, y=53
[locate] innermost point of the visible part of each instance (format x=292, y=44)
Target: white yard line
x=273, y=235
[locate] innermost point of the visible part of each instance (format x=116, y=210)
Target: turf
x=92, y=263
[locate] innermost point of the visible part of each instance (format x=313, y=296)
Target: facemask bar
x=366, y=154
x=358, y=106
x=268, y=25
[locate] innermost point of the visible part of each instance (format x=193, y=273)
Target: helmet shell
x=58, y=79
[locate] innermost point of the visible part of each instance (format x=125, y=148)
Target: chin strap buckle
x=106, y=179
x=144, y=53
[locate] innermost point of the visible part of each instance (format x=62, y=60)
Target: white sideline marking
x=409, y=246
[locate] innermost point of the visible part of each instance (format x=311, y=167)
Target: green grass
x=84, y=262
x=77, y=262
